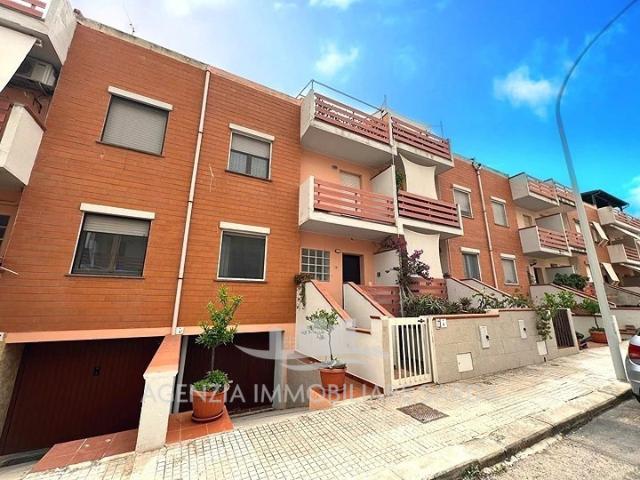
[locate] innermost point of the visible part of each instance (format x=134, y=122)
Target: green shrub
x=575, y=281
x=214, y=381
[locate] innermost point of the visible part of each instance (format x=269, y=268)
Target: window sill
x=466, y=216
x=246, y=175
x=91, y=275
x=511, y=284
x=501, y=226
x=238, y=280
x=114, y=145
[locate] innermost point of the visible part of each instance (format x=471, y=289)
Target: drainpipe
x=477, y=168
x=192, y=189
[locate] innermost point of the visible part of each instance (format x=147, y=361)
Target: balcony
x=623, y=222
x=338, y=130
x=576, y=242
x=625, y=254
x=333, y=209
x=428, y=215
x=564, y=195
x=421, y=146
x=52, y=22
x=20, y=137
x=542, y=242
x=532, y=194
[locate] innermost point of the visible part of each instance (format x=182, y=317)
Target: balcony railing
x=632, y=253
x=349, y=118
x=388, y=296
x=419, y=138
x=417, y=207
x=33, y=8
x=565, y=194
x=575, y=240
x=542, y=189
x=352, y=202
x=552, y=239
x=627, y=219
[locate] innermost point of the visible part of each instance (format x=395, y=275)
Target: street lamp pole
x=610, y=323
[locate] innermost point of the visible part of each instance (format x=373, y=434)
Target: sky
x=483, y=72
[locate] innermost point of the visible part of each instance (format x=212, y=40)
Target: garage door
x=247, y=372
x=71, y=390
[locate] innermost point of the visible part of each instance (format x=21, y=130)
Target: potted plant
x=333, y=374
x=591, y=307
x=209, y=393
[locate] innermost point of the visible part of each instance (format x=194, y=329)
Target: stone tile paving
x=366, y=435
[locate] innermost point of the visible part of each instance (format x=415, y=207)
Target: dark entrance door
x=539, y=275
x=248, y=372
x=351, y=269
x=71, y=390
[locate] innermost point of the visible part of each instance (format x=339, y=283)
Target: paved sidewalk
x=486, y=417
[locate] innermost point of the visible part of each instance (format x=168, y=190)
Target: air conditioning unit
x=34, y=70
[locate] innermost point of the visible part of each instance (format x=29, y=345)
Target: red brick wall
x=72, y=168
x=506, y=240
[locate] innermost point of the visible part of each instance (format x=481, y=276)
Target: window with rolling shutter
x=249, y=156
x=463, y=200
x=135, y=125
x=110, y=245
x=242, y=256
x=499, y=213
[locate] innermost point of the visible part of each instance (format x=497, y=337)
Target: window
x=510, y=270
x=4, y=226
x=528, y=220
x=316, y=263
x=135, y=125
x=471, y=265
x=499, y=213
x=577, y=225
x=350, y=180
x=242, y=256
x=463, y=199
x=249, y=155
x=111, y=245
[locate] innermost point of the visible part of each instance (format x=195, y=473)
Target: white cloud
x=520, y=89
x=185, y=7
x=278, y=6
x=341, y=4
x=333, y=60
x=634, y=195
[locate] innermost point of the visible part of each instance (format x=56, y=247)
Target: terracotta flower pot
x=207, y=406
x=333, y=379
x=598, y=337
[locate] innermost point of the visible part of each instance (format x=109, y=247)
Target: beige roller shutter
x=116, y=225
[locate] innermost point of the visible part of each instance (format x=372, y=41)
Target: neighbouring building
x=135, y=181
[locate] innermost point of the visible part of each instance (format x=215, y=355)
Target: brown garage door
x=246, y=371
x=70, y=390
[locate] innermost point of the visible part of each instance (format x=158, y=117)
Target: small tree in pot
x=208, y=393
x=322, y=324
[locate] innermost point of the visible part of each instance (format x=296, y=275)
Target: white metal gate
x=409, y=350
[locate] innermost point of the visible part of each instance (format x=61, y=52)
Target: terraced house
x=135, y=181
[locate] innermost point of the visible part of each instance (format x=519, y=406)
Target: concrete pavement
x=487, y=419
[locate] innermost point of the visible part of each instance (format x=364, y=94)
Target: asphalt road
x=606, y=448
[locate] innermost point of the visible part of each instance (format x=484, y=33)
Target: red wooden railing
x=351, y=119
x=420, y=138
x=632, y=253
x=352, y=202
x=33, y=8
x=627, y=219
x=575, y=240
x=389, y=296
x=5, y=111
x=565, y=194
x=426, y=209
x=542, y=189
x=552, y=239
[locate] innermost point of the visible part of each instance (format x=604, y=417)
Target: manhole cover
x=422, y=412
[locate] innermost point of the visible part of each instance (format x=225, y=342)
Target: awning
x=14, y=47
x=611, y=272
x=600, y=230
x=631, y=267
x=625, y=231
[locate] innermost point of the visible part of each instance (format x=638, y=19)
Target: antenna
x=126, y=12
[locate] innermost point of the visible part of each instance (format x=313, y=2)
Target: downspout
x=477, y=168
x=192, y=189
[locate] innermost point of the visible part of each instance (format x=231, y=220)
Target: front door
x=538, y=273
x=351, y=269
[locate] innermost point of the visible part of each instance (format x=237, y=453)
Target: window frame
x=262, y=137
x=466, y=191
x=503, y=204
x=247, y=231
x=4, y=240
x=328, y=274
x=140, y=100
x=476, y=253
x=512, y=259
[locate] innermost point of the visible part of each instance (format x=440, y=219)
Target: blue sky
x=487, y=70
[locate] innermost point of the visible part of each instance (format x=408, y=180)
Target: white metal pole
x=610, y=324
